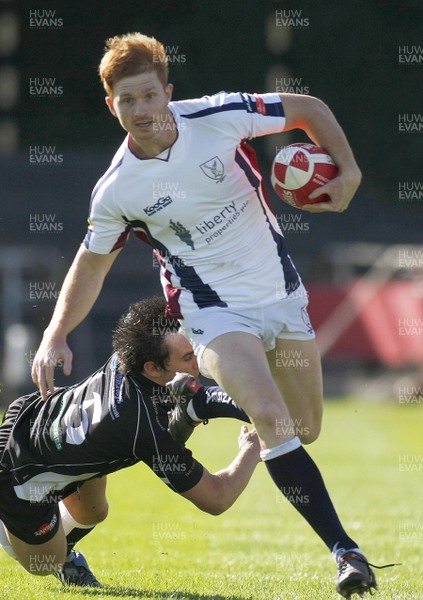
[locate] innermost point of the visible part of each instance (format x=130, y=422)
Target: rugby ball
x=298, y=169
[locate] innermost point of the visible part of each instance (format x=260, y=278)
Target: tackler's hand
x=183, y=387
x=52, y=353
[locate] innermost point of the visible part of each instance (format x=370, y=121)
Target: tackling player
x=54, y=455
x=185, y=181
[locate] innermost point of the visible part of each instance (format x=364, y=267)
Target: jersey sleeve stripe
x=248, y=103
x=215, y=109
x=122, y=239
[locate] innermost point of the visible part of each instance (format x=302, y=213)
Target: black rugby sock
x=75, y=536
x=299, y=480
x=213, y=402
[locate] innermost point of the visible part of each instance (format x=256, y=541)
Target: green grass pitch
x=156, y=545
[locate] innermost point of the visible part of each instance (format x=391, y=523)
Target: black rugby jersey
x=98, y=426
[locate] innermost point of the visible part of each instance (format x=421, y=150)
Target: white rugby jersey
x=200, y=204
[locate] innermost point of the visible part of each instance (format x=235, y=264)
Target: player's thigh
x=296, y=368
x=89, y=505
x=41, y=559
x=238, y=363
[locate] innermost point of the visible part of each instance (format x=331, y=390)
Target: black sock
x=75, y=535
x=213, y=402
x=298, y=478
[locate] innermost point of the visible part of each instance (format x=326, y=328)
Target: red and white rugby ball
x=298, y=169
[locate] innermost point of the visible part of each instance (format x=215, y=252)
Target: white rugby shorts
x=284, y=319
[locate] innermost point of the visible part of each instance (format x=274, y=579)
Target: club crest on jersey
x=182, y=233
x=214, y=169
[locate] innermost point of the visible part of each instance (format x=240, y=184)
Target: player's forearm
x=77, y=296
x=79, y=292
x=315, y=118
x=216, y=493
x=232, y=480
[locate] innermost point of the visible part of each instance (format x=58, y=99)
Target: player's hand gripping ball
x=298, y=169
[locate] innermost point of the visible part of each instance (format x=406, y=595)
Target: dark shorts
x=31, y=522
x=35, y=519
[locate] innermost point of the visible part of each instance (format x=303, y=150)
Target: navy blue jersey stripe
x=203, y=295
x=273, y=109
x=215, y=109
x=246, y=167
x=87, y=238
x=292, y=280
x=140, y=227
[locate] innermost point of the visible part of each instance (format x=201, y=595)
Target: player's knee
x=267, y=413
x=308, y=430
x=308, y=435
x=101, y=512
x=93, y=515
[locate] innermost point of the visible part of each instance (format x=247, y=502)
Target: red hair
x=131, y=54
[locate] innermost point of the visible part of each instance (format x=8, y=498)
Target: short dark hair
x=139, y=335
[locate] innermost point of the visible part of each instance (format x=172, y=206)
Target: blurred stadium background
x=363, y=268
